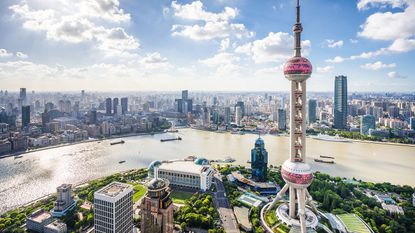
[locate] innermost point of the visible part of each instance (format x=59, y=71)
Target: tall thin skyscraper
x=238, y=115
x=340, y=102
x=241, y=104
x=108, y=106
x=185, y=94
x=282, y=119
x=25, y=116
x=312, y=110
x=296, y=173
x=23, y=96
x=227, y=115
x=259, y=161
x=115, y=105
x=124, y=105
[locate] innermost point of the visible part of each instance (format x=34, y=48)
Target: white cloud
x=336, y=59
x=396, y=75
x=224, y=44
x=273, y=48
x=334, y=44
x=4, y=53
x=81, y=21
x=154, y=58
x=365, y=4
x=353, y=41
x=220, y=59
x=207, y=25
x=21, y=55
x=377, y=65
x=325, y=69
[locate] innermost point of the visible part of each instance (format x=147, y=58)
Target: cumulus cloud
x=396, y=75
x=4, y=53
x=21, y=55
x=224, y=44
x=334, y=44
x=272, y=48
x=336, y=59
x=220, y=59
x=80, y=21
x=207, y=25
x=377, y=66
x=325, y=69
x=365, y=4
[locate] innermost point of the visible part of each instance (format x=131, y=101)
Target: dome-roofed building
x=151, y=167
x=201, y=161
x=157, y=207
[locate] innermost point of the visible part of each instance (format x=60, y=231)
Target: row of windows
x=177, y=174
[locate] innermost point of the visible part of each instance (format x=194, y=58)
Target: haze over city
x=234, y=45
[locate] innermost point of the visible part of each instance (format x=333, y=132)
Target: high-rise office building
x=185, y=94
x=92, y=117
x=23, y=96
x=282, y=119
x=367, y=122
x=64, y=200
x=295, y=171
x=393, y=111
x=238, y=115
x=108, y=106
x=227, y=118
x=241, y=104
x=412, y=123
x=25, y=116
x=340, y=102
x=259, y=161
x=115, y=105
x=312, y=111
x=124, y=105
x=113, y=208
x=157, y=207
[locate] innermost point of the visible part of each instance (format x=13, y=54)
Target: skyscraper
x=340, y=102
x=367, y=122
x=113, y=208
x=227, y=115
x=108, y=106
x=282, y=119
x=238, y=115
x=115, y=105
x=259, y=161
x=23, y=96
x=25, y=116
x=296, y=173
x=185, y=94
x=124, y=105
x=241, y=104
x=312, y=109
x=412, y=123
x=157, y=207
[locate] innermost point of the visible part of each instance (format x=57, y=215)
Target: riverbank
x=76, y=143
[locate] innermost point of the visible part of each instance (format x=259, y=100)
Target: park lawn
x=179, y=197
x=139, y=191
x=353, y=223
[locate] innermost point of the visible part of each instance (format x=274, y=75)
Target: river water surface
x=39, y=173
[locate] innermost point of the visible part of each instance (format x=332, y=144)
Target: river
x=39, y=173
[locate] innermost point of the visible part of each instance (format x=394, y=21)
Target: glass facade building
x=312, y=111
x=259, y=161
x=367, y=122
x=340, y=102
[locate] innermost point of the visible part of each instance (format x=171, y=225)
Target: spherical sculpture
x=298, y=69
x=297, y=174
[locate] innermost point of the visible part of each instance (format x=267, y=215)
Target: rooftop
x=113, y=189
x=40, y=216
x=182, y=166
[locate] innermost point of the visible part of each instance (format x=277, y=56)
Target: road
x=220, y=201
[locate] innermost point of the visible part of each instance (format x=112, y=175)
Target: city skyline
x=175, y=45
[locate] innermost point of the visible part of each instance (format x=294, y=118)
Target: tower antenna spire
x=297, y=29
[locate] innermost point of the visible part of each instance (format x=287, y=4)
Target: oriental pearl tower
x=295, y=171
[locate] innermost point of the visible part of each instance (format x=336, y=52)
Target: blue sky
x=203, y=45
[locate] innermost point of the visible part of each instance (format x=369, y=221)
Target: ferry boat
x=171, y=139
x=326, y=157
x=18, y=156
x=115, y=143
x=323, y=161
x=325, y=137
x=122, y=161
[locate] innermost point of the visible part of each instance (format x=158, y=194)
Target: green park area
x=179, y=197
x=353, y=223
x=139, y=191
